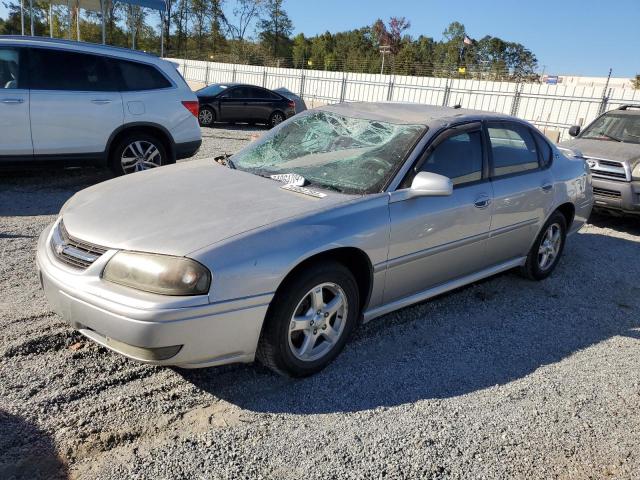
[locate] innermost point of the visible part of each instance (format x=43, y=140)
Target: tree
x=245, y=13
x=396, y=27
x=300, y=50
x=275, y=28
x=636, y=82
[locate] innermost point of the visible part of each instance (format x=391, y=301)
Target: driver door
x=233, y=104
x=434, y=240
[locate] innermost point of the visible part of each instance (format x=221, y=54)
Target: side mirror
x=425, y=184
x=574, y=131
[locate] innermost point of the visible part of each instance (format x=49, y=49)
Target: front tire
x=136, y=152
x=547, y=249
x=310, y=320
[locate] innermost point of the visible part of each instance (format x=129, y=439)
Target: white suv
x=79, y=102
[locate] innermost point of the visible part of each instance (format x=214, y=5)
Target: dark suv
x=611, y=147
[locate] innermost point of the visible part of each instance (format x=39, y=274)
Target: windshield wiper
x=225, y=160
x=611, y=137
x=326, y=186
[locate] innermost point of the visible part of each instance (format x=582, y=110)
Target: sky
x=576, y=37
x=569, y=37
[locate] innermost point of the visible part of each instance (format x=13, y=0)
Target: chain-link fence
x=552, y=108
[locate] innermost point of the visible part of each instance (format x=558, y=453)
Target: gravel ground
x=503, y=379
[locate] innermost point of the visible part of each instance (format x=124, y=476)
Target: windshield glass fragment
x=352, y=155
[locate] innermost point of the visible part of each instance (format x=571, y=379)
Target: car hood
x=622, y=152
x=181, y=208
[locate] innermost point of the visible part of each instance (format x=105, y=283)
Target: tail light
x=192, y=106
x=292, y=105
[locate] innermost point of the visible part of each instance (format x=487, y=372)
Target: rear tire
x=136, y=152
x=547, y=249
x=276, y=119
x=310, y=320
x=206, y=117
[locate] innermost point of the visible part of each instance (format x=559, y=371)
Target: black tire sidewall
x=287, y=300
x=114, y=162
x=532, y=262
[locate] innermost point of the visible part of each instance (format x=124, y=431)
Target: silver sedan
x=337, y=216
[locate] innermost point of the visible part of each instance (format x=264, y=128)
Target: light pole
x=22, y=16
x=31, y=16
x=384, y=49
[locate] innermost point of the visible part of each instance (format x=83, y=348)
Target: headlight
x=635, y=174
x=162, y=274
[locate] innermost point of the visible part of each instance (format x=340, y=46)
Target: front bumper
x=614, y=195
x=148, y=327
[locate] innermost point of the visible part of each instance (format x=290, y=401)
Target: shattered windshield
x=615, y=127
x=351, y=155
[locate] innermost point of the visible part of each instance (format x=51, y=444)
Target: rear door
x=148, y=95
x=437, y=239
x=15, y=129
x=75, y=102
x=262, y=103
x=523, y=188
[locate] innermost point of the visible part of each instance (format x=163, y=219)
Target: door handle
x=546, y=186
x=12, y=101
x=482, y=201
x=101, y=101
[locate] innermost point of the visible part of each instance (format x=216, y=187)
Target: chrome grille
x=605, y=192
x=73, y=252
x=609, y=169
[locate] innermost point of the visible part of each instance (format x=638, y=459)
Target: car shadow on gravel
x=26, y=452
x=43, y=191
x=627, y=224
x=491, y=333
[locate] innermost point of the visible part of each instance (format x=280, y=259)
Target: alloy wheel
x=276, y=119
x=549, y=246
x=318, y=322
x=205, y=116
x=140, y=155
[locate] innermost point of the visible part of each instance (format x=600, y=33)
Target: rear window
x=138, y=76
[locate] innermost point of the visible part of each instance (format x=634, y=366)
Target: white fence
x=553, y=108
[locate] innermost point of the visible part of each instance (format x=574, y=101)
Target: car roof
x=623, y=112
x=77, y=46
x=410, y=113
x=236, y=84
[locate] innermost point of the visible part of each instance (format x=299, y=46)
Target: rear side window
x=459, y=157
x=138, y=76
x=545, y=150
x=9, y=68
x=513, y=149
x=263, y=94
x=62, y=70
